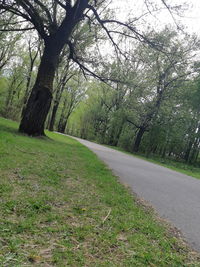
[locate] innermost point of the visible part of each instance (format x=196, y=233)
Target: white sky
x=190, y=18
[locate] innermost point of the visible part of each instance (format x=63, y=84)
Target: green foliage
x=156, y=93
x=16, y=79
x=3, y=93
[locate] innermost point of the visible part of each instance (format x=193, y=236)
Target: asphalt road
x=175, y=196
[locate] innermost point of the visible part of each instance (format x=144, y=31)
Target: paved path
x=175, y=196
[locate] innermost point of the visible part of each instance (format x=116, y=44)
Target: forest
x=75, y=68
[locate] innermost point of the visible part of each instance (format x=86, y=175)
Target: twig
x=106, y=216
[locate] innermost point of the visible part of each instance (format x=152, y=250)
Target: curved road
x=175, y=196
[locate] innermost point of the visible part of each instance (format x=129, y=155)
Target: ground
x=61, y=206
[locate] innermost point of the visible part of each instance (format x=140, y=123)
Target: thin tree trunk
x=154, y=149
x=61, y=128
x=196, y=157
x=64, y=124
x=194, y=152
x=56, y=102
x=114, y=139
x=53, y=116
x=187, y=153
x=47, y=123
x=138, y=139
x=28, y=83
x=164, y=152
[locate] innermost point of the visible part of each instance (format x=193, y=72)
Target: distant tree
x=73, y=94
x=33, y=53
x=164, y=71
x=7, y=43
x=15, y=83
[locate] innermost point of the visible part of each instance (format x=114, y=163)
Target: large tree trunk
x=138, y=139
x=38, y=105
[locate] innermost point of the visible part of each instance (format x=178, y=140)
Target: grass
x=182, y=167
x=61, y=206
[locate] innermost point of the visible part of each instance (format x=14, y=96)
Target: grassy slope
x=61, y=206
x=171, y=164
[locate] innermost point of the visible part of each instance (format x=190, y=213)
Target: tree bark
x=164, y=152
x=38, y=105
x=58, y=96
x=53, y=115
x=64, y=119
x=114, y=139
x=138, y=139
x=187, y=153
x=63, y=125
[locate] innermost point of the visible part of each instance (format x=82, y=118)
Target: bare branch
x=131, y=122
x=17, y=30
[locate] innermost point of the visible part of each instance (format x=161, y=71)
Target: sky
x=190, y=18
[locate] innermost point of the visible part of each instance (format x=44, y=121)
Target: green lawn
x=61, y=206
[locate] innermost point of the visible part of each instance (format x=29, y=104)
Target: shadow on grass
x=9, y=129
x=8, y=126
